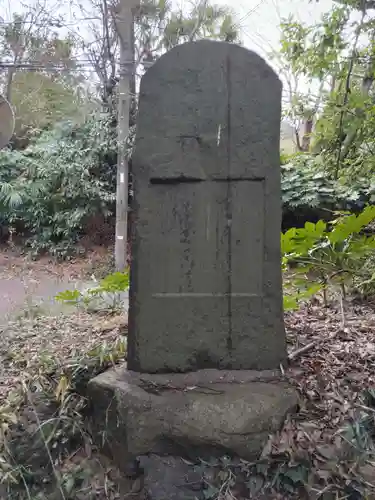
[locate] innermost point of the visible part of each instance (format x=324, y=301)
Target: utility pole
x=124, y=26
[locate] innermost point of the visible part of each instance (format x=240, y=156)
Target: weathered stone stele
x=206, y=277
x=205, y=295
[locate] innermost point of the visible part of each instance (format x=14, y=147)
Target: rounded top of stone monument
x=6, y=122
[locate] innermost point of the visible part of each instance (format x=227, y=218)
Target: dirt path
x=18, y=293
x=25, y=284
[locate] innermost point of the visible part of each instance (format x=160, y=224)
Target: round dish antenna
x=6, y=122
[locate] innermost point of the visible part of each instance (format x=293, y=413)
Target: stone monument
x=206, y=274
x=206, y=334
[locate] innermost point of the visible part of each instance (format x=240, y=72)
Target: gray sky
x=259, y=19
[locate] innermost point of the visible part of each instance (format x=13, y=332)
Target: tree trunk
x=306, y=139
x=9, y=82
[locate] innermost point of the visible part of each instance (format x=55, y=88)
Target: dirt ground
x=25, y=283
x=326, y=450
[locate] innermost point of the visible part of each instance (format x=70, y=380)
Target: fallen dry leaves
x=329, y=443
x=14, y=262
x=43, y=354
x=30, y=344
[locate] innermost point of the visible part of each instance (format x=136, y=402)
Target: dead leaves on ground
x=45, y=364
x=325, y=451
x=330, y=443
x=31, y=346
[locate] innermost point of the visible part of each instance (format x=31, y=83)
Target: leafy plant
x=109, y=289
x=115, y=282
x=309, y=194
x=318, y=256
x=305, y=184
x=58, y=183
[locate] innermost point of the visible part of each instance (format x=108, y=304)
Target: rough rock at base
x=167, y=478
x=194, y=415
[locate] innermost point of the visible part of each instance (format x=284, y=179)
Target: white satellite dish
x=6, y=122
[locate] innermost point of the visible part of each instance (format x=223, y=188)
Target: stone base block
x=201, y=414
x=171, y=478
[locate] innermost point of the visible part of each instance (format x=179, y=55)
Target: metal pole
x=124, y=22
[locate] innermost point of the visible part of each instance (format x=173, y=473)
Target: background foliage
x=59, y=174
x=60, y=170
x=322, y=256
x=62, y=179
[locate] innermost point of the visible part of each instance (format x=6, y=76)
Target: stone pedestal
x=197, y=415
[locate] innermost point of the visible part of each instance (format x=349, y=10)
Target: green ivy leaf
x=69, y=296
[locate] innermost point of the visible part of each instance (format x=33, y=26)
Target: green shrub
x=309, y=194
x=109, y=289
x=65, y=177
x=324, y=255
x=304, y=184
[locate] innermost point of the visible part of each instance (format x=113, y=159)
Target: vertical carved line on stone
x=229, y=209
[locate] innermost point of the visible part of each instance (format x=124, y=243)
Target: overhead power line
x=248, y=14
x=80, y=66
x=49, y=67
x=60, y=65
x=53, y=23
x=83, y=69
